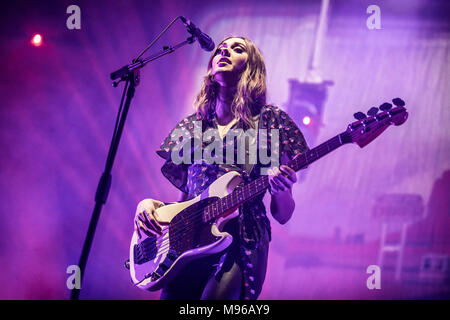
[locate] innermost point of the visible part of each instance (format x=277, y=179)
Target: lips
x=222, y=60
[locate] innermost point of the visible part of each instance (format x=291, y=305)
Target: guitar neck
x=318, y=152
x=258, y=186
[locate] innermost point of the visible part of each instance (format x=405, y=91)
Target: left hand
x=281, y=179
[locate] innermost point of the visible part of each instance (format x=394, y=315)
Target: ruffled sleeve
x=175, y=169
x=291, y=139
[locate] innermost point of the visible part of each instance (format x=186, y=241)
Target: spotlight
x=306, y=120
x=36, y=40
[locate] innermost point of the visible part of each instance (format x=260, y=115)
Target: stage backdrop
x=58, y=111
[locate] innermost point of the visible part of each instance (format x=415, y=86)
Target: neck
x=224, y=101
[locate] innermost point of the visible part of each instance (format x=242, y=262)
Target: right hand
x=146, y=218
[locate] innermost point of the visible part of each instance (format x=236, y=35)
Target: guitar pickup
x=171, y=256
x=154, y=276
x=162, y=268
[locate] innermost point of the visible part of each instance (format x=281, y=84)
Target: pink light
x=36, y=40
x=306, y=120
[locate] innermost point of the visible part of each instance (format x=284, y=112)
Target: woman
x=233, y=96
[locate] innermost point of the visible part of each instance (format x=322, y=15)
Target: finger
x=271, y=183
x=280, y=173
x=159, y=220
x=145, y=225
x=287, y=169
x=144, y=204
x=144, y=218
x=277, y=184
x=147, y=215
x=290, y=173
x=156, y=226
x=148, y=232
x=150, y=219
x=272, y=188
x=159, y=204
x=136, y=228
x=276, y=171
x=284, y=181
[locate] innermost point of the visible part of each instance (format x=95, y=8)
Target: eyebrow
x=235, y=44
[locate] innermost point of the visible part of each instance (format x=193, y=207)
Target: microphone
x=205, y=41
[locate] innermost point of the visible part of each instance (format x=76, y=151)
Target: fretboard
x=258, y=186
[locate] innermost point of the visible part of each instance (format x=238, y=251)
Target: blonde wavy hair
x=251, y=89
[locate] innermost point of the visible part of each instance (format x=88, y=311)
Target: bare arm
x=282, y=204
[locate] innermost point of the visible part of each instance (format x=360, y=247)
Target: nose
x=224, y=52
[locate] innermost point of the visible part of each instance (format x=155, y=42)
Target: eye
x=238, y=49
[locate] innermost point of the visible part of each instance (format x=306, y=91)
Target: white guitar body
x=141, y=273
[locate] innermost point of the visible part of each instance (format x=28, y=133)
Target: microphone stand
x=131, y=75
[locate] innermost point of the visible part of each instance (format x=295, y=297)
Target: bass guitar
x=192, y=229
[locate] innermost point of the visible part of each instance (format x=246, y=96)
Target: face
x=229, y=61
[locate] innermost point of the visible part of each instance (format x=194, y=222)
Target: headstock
x=367, y=128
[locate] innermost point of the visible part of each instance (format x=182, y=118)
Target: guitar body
x=155, y=260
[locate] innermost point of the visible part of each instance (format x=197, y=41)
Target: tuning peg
x=372, y=111
x=385, y=106
x=359, y=115
x=398, y=102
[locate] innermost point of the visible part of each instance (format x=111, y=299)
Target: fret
x=316, y=153
x=233, y=200
x=242, y=194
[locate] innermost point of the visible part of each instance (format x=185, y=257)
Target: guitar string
x=166, y=247
x=256, y=183
x=252, y=190
x=252, y=193
x=317, y=150
x=188, y=226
